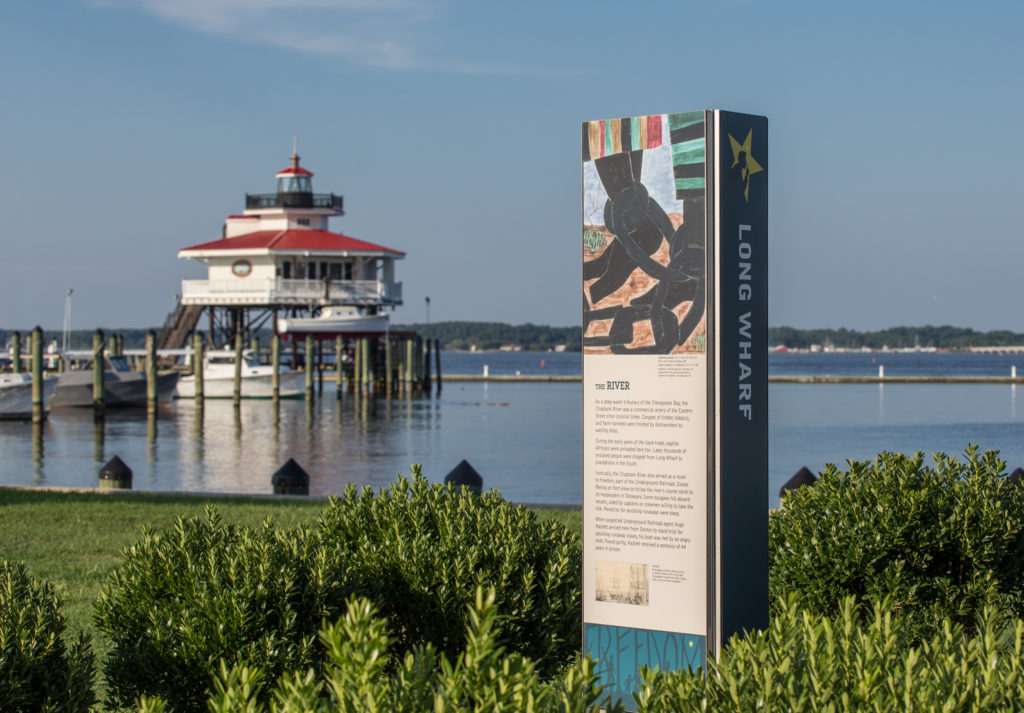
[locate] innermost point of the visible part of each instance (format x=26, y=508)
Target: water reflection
x=523, y=447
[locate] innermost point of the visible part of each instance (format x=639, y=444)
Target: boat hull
x=292, y=385
x=121, y=389
x=16, y=395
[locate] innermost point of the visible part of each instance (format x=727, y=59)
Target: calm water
x=524, y=438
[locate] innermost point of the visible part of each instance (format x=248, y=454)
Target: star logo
x=743, y=164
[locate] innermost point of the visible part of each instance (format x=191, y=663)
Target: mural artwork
x=644, y=235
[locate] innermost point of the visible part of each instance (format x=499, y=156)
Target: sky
x=130, y=128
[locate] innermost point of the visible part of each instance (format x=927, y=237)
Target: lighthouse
x=277, y=259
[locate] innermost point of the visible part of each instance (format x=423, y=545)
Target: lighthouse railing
x=282, y=291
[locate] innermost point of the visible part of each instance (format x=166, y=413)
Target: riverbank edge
x=233, y=496
x=775, y=379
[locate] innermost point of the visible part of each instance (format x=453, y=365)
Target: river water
x=524, y=438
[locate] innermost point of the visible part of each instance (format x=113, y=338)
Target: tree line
x=928, y=336
x=493, y=335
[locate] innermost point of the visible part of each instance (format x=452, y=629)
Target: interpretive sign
x=675, y=388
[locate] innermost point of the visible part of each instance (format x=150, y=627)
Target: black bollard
x=290, y=479
x=1016, y=476
x=465, y=474
x=802, y=477
x=115, y=474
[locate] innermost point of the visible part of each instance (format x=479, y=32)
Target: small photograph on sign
x=622, y=583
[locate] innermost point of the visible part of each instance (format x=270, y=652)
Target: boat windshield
x=119, y=363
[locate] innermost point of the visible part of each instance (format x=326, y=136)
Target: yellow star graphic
x=750, y=166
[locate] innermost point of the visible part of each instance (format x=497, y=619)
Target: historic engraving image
x=622, y=583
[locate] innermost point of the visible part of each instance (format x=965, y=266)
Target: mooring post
x=357, y=365
x=387, y=366
x=256, y=347
x=319, y=368
x=198, y=367
x=437, y=363
x=275, y=361
x=309, y=358
x=37, y=375
x=339, y=349
x=408, y=365
x=151, y=371
x=236, y=394
x=426, y=365
x=98, y=368
x=16, y=352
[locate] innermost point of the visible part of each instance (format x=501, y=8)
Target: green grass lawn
x=74, y=540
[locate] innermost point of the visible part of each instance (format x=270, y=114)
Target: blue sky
x=131, y=128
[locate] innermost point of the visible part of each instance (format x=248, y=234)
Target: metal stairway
x=179, y=325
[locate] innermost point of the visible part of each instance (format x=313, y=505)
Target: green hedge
x=802, y=663
x=39, y=672
x=186, y=599
x=942, y=541
x=357, y=678
x=859, y=661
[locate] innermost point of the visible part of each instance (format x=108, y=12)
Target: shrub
x=357, y=679
x=38, y=671
x=808, y=662
x=184, y=600
x=942, y=541
x=419, y=552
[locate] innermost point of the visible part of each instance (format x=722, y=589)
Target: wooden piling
x=37, y=375
x=409, y=349
x=236, y=393
x=319, y=368
x=275, y=362
x=357, y=365
x=426, y=365
x=16, y=352
x=339, y=351
x=309, y=367
x=98, y=368
x=387, y=366
x=437, y=363
x=151, y=371
x=197, y=367
x=366, y=364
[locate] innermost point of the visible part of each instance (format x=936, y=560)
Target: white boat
x=336, y=320
x=16, y=395
x=122, y=385
x=257, y=379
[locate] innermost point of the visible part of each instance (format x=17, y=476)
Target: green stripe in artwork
x=634, y=127
x=684, y=183
x=608, y=137
x=688, y=152
x=689, y=118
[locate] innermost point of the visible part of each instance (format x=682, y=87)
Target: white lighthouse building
x=278, y=259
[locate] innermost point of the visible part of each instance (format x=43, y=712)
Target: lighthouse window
x=294, y=184
x=303, y=221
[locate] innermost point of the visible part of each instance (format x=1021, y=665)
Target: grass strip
x=73, y=540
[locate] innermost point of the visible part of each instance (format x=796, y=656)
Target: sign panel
x=675, y=353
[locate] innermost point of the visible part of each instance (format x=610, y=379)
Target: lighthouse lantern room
x=278, y=259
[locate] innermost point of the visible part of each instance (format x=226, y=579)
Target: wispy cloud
x=389, y=34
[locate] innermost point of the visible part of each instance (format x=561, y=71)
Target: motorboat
x=122, y=385
x=16, y=395
x=257, y=378
x=336, y=320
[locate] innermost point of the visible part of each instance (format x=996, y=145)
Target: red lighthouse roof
x=292, y=241
x=294, y=171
